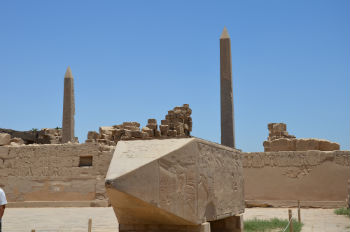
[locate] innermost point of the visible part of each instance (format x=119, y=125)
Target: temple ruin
x=159, y=176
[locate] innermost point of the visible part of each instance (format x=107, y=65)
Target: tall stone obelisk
x=68, y=108
x=226, y=95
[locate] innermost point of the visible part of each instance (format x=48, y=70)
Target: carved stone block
x=178, y=182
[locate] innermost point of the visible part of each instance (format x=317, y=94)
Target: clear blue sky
x=134, y=60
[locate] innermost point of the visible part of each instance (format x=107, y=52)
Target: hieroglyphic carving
x=294, y=158
x=23, y=170
x=197, y=181
x=219, y=172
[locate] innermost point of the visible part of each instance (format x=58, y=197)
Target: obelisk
x=226, y=95
x=68, y=108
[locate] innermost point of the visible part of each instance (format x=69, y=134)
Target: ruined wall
x=317, y=178
x=43, y=136
x=280, y=140
x=177, y=123
x=54, y=172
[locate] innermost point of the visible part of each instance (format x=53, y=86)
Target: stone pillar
x=227, y=117
x=68, y=108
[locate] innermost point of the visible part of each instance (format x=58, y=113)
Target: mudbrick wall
x=316, y=178
x=54, y=172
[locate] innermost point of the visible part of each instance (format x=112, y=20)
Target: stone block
x=117, y=134
x=172, y=133
x=152, y=126
x=17, y=140
x=93, y=135
x=127, y=134
x=174, y=182
x=165, y=122
x=152, y=121
x=134, y=124
x=164, y=130
x=145, y=135
x=106, y=130
x=149, y=131
x=307, y=144
x=180, y=129
x=156, y=133
x=136, y=134
x=103, y=141
x=230, y=224
x=325, y=145
x=4, y=139
x=281, y=144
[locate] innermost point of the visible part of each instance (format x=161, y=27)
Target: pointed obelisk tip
x=224, y=34
x=68, y=73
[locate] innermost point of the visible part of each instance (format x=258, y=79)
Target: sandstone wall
x=43, y=136
x=316, y=178
x=280, y=140
x=54, y=172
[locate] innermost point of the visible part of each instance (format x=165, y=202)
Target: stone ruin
x=280, y=140
x=177, y=123
x=43, y=136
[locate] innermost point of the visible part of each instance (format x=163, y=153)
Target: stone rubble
x=43, y=136
x=280, y=140
x=5, y=139
x=177, y=123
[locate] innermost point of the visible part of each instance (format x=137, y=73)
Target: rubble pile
x=177, y=123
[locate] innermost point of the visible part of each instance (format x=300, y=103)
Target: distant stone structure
x=280, y=140
x=177, y=123
x=34, y=136
x=226, y=94
x=68, y=108
x=182, y=184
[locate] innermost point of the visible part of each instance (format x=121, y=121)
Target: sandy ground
x=103, y=219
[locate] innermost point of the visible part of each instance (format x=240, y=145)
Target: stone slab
x=174, y=181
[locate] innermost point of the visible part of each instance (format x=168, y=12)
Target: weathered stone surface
x=308, y=176
x=174, y=181
x=5, y=139
x=285, y=144
x=52, y=172
x=306, y=144
x=93, y=135
x=325, y=145
x=43, y=136
x=18, y=141
x=226, y=94
x=68, y=108
x=278, y=131
x=280, y=140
